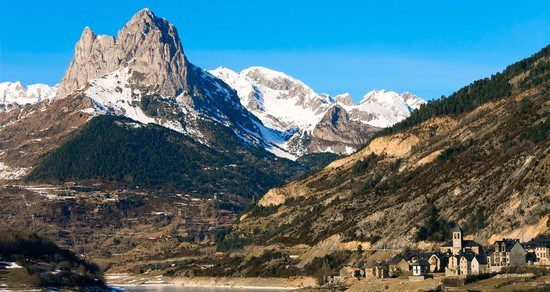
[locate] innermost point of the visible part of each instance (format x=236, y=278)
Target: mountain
x=286, y=104
x=478, y=158
x=145, y=69
x=281, y=102
x=14, y=94
x=143, y=75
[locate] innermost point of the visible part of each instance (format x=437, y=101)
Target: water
x=169, y=288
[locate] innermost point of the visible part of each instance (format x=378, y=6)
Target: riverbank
x=214, y=282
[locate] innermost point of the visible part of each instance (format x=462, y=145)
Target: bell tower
x=457, y=239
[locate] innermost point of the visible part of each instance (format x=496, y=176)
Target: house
x=458, y=244
x=420, y=267
x=478, y=265
x=506, y=252
x=453, y=266
x=398, y=266
x=376, y=271
x=438, y=262
x=351, y=273
x=465, y=264
x=539, y=250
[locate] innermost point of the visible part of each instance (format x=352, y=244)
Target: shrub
x=537, y=133
x=362, y=165
x=230, y=244
x=435, y=228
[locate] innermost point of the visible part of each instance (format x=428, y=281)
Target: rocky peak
x=344, y=99
x=336, y=126
x=147, y=44
x=412, y=100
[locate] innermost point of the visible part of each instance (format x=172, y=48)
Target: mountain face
x=286, y=104
x=478, y=158
x=14, y=94
x=149, y=156
x=145, y=66
x=278, y=100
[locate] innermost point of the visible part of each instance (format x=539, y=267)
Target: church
x=458, y=245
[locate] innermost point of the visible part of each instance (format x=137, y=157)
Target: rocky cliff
x=147, y=44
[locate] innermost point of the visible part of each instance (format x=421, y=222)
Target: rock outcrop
x=147, y=44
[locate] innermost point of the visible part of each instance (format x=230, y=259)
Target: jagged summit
x=146, y=44
x=344, y=98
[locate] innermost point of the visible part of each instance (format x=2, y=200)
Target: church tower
x=457, y=239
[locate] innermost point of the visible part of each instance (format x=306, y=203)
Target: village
x=460, y=259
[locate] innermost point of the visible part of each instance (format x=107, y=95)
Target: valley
x=161, y=172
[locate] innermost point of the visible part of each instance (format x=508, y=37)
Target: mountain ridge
x=487, y=153
x=286, y=104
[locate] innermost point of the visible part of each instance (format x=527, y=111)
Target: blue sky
x=430, y=48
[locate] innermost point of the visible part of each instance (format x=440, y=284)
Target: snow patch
x=113, y=94
x=10, y=173
x=15, y=93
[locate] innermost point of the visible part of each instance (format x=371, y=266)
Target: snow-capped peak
x=412, y=100
x=280, y=101
x=344, y=98
x=15, y=93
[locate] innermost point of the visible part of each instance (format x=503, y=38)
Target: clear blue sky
x=427, y=47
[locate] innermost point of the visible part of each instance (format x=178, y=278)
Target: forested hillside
x=116, y=149
x=45, y=263
x=518, y=77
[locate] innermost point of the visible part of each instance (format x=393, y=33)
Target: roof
x=456, y=229
x=420, y=263
x=441, y=256
x=448, y=244
x=421, y=256
x=508, y=242
x=540, y=241
x=395, y=260
x=468, y=255
x=465, y=243
x=481, y=260
x=470, y=243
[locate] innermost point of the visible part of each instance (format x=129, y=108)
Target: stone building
x=506, y=252
x=438, y=262
x=376, y=271
x=478, y=265
x=420, y=267
x=398, y=266
x=539, y=250
x=458, y=244
x=465, y=264
x=351, y=273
